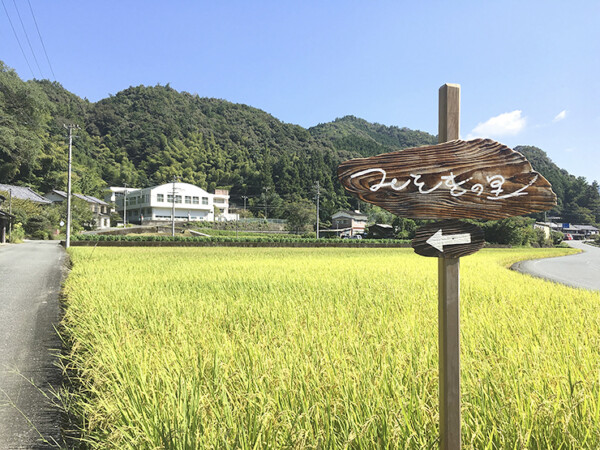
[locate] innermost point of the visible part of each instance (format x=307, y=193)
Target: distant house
x=23, y=193
x=576, y=231
x=99, y=208
x=5, y=221
x=586, y=231
x=348, y=223
x=8, y=192
x=381, y=231
x=155, y=204
x=545, y=227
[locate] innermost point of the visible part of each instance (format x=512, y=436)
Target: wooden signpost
x=478, y=179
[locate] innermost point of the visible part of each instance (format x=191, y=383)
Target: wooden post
x=449, y=113
x=449, y=298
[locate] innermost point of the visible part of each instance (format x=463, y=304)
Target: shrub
x=40, y=234
x=37, y=223
x=557, y=237
x=17, y=234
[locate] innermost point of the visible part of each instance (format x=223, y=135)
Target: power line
x=18, y=41
x=41, y=40
x=27, y=37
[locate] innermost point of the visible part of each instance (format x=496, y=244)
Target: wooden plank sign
x=448, y=238
x=477, y=179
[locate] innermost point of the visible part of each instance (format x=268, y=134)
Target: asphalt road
x=581, y=270
x=30, y=280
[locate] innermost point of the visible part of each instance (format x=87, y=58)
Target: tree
x=511, y=231
x=405, y=228
x=24, y=114
x=300, y=215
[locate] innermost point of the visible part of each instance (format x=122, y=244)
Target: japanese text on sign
x=494, y=184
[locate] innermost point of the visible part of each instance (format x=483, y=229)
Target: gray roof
x=24, y=193
x=352, y=214
x=383, y=225
x=87, y=198
x=586, y=227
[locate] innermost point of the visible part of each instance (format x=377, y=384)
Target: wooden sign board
x=448, y=238
x=478, y=179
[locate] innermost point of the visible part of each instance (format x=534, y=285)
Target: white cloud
x=569, y=150
x=560, y=116
x=507, y=124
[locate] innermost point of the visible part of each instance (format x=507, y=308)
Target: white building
x=155, y=204
x=112, y=193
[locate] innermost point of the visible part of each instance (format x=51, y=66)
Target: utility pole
x=266, y=189
x=173, y=209
x=10, y=212
x=317, y=195
x=68, y=233
x=245, y=197
x=125, y=206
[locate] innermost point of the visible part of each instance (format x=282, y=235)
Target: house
x=155, y=204
x=9, y=192
x=547, y=228
x=381, y=231
x=23, y=193
x=576, y=231
x=99, y=208
x=348, y=223
x=5, y=220
x=587, y=231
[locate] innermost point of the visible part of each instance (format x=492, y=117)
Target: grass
x=322, y=348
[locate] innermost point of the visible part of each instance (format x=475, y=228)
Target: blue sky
x=529, y=71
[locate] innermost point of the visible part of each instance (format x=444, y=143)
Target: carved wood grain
x=476, y=159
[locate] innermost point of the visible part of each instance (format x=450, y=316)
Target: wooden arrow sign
x=448, y=239
x=478, y=179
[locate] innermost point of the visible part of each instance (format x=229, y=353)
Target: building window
x=170, y=198
x=205, y=200
x=196, y=200
x=188, y=199
x=160, y=197
x=178, y=199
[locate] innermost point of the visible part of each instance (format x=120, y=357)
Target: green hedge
x=275, y=239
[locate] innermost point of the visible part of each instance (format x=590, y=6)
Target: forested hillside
x=578, y=201
x=144, y=136
x=353, y=137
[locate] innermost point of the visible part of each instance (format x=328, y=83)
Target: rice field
x=184, y=348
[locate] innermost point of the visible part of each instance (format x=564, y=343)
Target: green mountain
x=353, y=137
x=578, y=201
x=147, y=135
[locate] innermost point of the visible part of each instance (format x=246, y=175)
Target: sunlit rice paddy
x=322, y=348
